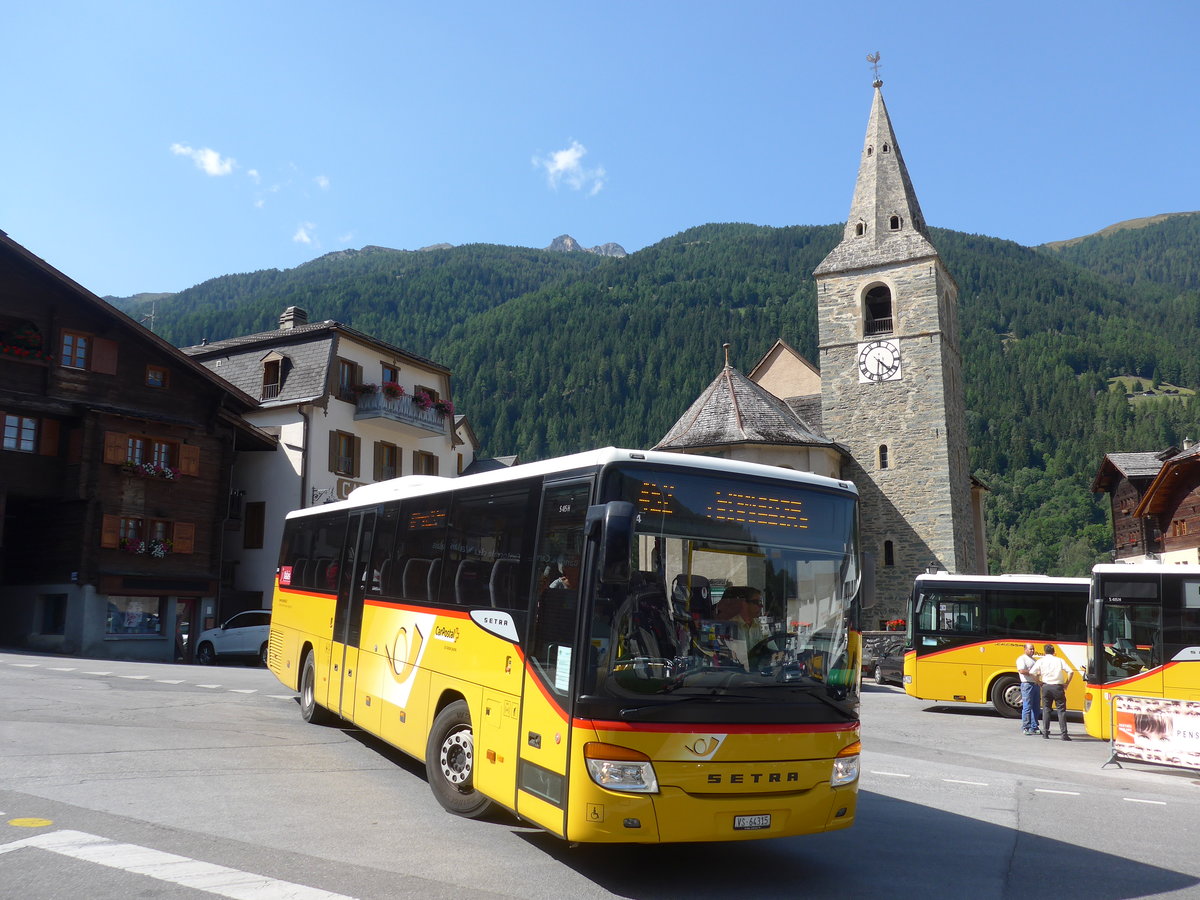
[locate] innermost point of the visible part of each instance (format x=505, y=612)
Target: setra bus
x=1143, y=637
x=618, y=646
x=965, y=633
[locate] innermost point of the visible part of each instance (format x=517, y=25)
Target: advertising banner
x=1154, y=730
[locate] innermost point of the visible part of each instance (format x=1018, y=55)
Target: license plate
x=751, y=823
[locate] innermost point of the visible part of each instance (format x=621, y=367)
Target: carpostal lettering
x=445, y=633
x=754, y=778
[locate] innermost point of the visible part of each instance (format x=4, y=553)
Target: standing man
x=1030, y=693
x=1054, y=675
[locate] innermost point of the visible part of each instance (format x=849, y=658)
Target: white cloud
x=322, y=182
x=253, y=173
x=304, y=233
x=566, y=167
x=207, y=160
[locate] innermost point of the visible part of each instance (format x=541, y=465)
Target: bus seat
x=471, y=583
x=431, y=581
x=502, y=584
x=299, y=568
x=390, y=575
x=413, y=581
x=692, y=593
x=320, y=568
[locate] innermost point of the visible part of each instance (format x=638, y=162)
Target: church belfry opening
x=877, y=310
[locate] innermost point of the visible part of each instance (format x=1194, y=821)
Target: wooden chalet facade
x=1155, y=503
x=114, y=473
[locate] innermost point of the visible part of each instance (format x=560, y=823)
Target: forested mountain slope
x=559, y=352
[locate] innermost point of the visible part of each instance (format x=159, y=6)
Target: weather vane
x=873, y=59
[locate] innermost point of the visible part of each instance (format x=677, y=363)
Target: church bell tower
x=891, y=376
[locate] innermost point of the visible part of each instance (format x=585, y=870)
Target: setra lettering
x=755, y=777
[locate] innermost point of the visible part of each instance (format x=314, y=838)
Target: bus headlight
x=845, y=765
x=619, y=768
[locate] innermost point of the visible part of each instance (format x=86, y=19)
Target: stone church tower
x=891, y=377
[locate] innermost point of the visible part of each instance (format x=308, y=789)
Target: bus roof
x=417, y=485
x=1146, y=568
x=994, y=580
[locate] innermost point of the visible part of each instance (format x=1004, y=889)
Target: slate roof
x=1129, y=466
x=1159, y=495
x=308, y=351
x=735, y=410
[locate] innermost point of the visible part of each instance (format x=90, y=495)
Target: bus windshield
x=740, y=590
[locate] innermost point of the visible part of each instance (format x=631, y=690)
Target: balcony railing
x=269, y=391
x=882, y=325
x=400, y=409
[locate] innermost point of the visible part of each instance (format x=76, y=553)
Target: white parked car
x=242, y=635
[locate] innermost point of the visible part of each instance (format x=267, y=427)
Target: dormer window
x=894, y=223
x=877, y=311
x=273, y=373
x=860, y=229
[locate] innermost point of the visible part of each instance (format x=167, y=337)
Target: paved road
x=141, y=779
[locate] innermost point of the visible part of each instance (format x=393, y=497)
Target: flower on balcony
x=24, y=342
x=361, y=389
x=896, y=625
x=391, y=390
x=149, y=470
x=422, y=400
x=445, y=407
x=158, y=548
x=133, y=546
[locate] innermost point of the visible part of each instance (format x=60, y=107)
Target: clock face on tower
x=878, y=361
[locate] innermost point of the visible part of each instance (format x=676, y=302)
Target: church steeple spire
x=885, y=223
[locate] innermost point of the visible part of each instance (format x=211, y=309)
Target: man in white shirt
x=1054, y=676
x=1030, y=692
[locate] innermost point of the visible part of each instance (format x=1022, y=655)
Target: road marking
x=29, y=823
x=181, y=870
x=1048, y=791
x=281, y=696
x=25, y=665
x=62, y=669
x=243, y=690
x=168, y=681
x=135, y=677
x=956, y=781
x=1152, y=802
x=97, y=673
x=211, y=687
x=891, y=774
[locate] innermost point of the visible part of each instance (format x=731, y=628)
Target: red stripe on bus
x=1141, y=676
x=708, y=728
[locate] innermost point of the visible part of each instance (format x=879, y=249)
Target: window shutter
x=110, y=532
x=356, y=452
x=333, y=449
x=48, y=438
x=189, y=459
x=104, y=356
x=183, y=537
x=378, y=461
x=115, y=448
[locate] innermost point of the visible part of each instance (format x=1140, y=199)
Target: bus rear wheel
x=1006, y=696
x=310, y=710
x=450, y=762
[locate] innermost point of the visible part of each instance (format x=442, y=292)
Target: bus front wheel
x=450, y=762
x=1006, y=696
x=310, y=710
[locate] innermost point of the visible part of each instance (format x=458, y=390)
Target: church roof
x=883, y=191
x=735, y=410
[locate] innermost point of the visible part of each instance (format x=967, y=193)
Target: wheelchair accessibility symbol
x=595, y=812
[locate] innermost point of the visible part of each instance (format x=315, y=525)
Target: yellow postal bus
x=616, y=645
x=965, y=633
x=1144, y=637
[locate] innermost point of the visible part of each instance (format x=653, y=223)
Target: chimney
x=1187, y=443
x=293, y=317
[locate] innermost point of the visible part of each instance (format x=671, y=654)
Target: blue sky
x=150, y=146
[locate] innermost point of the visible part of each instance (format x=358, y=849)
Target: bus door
x=544, y=748
x=354, y=580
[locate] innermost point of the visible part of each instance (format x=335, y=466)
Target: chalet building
x=1155, y=504
x=114, y=473
x=347, y=410
x=885, y=407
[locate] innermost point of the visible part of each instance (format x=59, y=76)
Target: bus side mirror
x=612, y=523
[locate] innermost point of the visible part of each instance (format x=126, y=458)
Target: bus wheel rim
x=457, y=756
